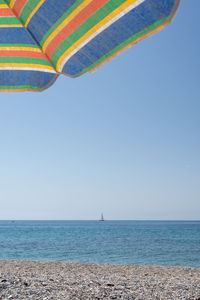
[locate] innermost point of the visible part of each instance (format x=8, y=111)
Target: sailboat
x=102, y=218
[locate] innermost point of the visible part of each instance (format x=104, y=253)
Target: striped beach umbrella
x=40, y=39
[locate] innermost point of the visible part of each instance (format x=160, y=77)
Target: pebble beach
x=81, y=281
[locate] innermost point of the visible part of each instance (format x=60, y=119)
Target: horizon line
x=159, y=220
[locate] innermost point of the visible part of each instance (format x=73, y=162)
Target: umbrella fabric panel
x=112, y=38
x=23, y=66
x=25, y=80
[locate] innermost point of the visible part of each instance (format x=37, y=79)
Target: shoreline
x=73, y=280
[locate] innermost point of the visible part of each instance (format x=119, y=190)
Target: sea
x=169, y=243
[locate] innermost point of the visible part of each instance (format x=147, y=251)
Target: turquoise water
x=126, y=242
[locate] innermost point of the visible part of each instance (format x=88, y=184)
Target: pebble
x=86, y=281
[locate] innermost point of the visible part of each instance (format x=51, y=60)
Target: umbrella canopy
x=40, y=39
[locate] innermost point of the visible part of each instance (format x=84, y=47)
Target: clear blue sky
x=124, y=140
